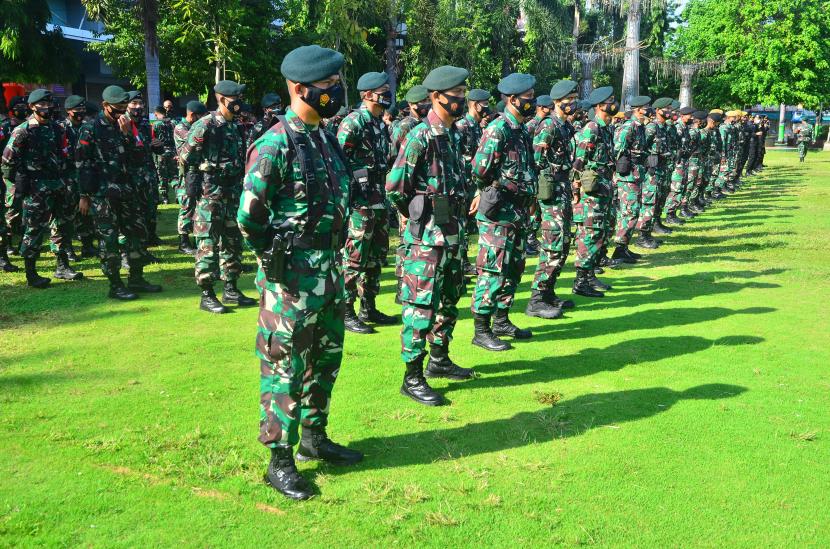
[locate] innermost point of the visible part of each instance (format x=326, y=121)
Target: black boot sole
x=289, y=495
x=214, y=311
x=227, y=301
x=506, y=347
x=587, y=293
x=441, y=402
x=546, y=316
x=339, y=463
x=367, y=331
x=76, y=276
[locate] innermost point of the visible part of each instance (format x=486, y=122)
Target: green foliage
x=28, y=52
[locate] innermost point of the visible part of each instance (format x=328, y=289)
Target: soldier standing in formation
x=184, y=224
x=165, y=159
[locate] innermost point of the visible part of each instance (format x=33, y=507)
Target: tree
x=29, y=52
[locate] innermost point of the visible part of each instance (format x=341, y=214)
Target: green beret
x=662, y=103
x=500, y=106
x=686, y=110
x=562, y=89
x=544, y=101
x=445, y=78
x=591, y=113
x=675, y=104
x=477, y=94
x=115, y=94
x=416, y=94
x=700, y=115
x=92, y=108
x=716, y=116
x=516, y=83
x=600, y=95
x=135, y=95
x=269, y=99
x=229, y=88
x=582, y=105
x=402, y=104
x=74, y=102
x=308, y=64
x=372, y=81
x=640, y=101
x=39, y=95
x=196, y=107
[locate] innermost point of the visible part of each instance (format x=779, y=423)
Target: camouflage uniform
x=300, y=331
x=594, y=148
x=470, y=135
x=552, y=153
x=367, y=242
x=504, y=159
x=693, y=151
x=400, y=129
x=630, y=142
x=13, y=202
x=184, y=224
x=656, y=144
x=82, y=226
x=144, y=177
x=679, y=176
x=258, y=129
x=805, y=139
x=213, y=154
x=165, y=161
x=428, y=166
x=715, y=161
x=727, y=158
x=702, y=179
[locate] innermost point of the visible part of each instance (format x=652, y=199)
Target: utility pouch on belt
x=489, y=201
x=547, y=186
x=418, y=215
x=275, y=258
x=193, y=184
x=441, y=209
x=623, y=165
x=588, y=179
x=361, y=179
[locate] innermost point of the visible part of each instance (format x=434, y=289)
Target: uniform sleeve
x=191, y=152
x=622, y=141
x=400, y=184
x=264, y=175
x=488, y=156
x=13, y=152
x=348, y=135
x=585, y=145
x=542, y=143
x=86, y=160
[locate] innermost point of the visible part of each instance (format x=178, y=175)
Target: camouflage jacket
x=275, y=195
x=179, y=139
x=144, y=154
x=673, y=140
x=163, y=131
x=594, y=150
x=504, y=158
x=214, y=147
x=657, y=141
x=360, y=135
x=704, y=144
x=34, y=154
x=552, y=144
x=684, y=147
x=727, y=138
x=400, y=130
x=716, y=145
x=469, y=132
x=430, y=164
x=630, y=140
x=104, y=155
x=71, y=133
x=693, y=142
x=262, y=125
x=7, y=126
x=805, y=134
x=533, y=124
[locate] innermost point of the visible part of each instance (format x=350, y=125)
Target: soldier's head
x=662, y=108
x=604, y=103
x=544, y=106
x=114, y=102
x=312, y=75
x=519, y=95
x=271, y=104
x=639, y=106
x=75, y=107
x=564, y=97
x=447, y=86
x=195, y=110
x=478, y=103
x=229, y=98
x=686, y=114
x=714, y=119
x=160, y=112
x=375, y=91
x=168, y=107
x=18, y=107
x=40, y=103
x=418, y=101
x=135, y=104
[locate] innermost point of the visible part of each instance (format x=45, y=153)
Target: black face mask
x=115, y=113
x=569, y=108
x=454, y=105
x=384, y=99
x=136, y=112
x=611, y=108
x=234, y=107
x=44, y=112
x=422, y=110
x=483, y=111
x=526, y=106
x=326, y=101
x=77, y=116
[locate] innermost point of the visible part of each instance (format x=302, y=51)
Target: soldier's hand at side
x=474, y=204
x=125, y=125
x=83, y=205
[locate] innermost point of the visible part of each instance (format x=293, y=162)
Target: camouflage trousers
x=555, y=241
x=5, y=234
x=218, y=240
x=114, y=217
x=590, y=216
x=722, y=173
x=148, y=200
x=432, y=285
x=629, y=190
x=184, y=223
x=39, y=208
x=692, y=176
x=300, y=346
x=166, y=172
x=400, y=254
x=696, y=187
x=14, y=210
x=802, y=150
x=367, y=244
x=68, y=218
x=500, y=264
x=678, y=185
x=652, y=184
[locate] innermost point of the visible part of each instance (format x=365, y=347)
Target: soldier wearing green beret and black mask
x=12, y=202
x=83, y=226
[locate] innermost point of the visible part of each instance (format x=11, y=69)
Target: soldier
x=754, y=129
x=295, y=225
x=271, y=108
x=18, y=111
x=470, y=128
x=367, y=241
x=505, y=174
x=679, y=175
x=428, y=187
x=745, y=137
x=170, y=111
x=212, y=161
x=715, y=156
x=658, y=157
x=187, y=205
x=804, y=138
x=105, y=156
x=32, y=159
x=418, y=105
x=727, y=135
x=165, y=160
x=630, y=152
x=553, y=157
x=544, y=107
x=144, y=173
x=592, y=187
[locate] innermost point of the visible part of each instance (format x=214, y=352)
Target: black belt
x=326, y=241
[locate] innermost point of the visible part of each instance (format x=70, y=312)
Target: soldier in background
x=184, y=225
x=165, y=159
x=804, y=138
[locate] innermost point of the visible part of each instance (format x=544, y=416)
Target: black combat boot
x=695, y=208
x=315, y=445
x=232, y=294
x=210, y=303
x=5, y=264
x=631, y=254
x=582, y=285
x=672, y=218
x=370, y=313
x=283, y=476
x=118, y=290
x=71, y=255
x=555, y=300
x=597, y=284
x=645, y=240
x=621, y=256
x=33, y=279
x=541, y=306
x=88, y=249
x=137, y=283
x=659, y=228
x=415, y=385
x=484, y=336
x=64, y=271
x=147, y=258
x=441, y=365
x=354, y=324
x=532, y=245
x=687, y=213
x=503, y=327
x=185, y=246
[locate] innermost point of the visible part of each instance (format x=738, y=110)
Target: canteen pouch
x=547, y=186
x=275, y=258
x=193, y=184
x=588, y=179
x=441, y=209
x=489, y=200
x=623, y=165
x=417, y=215
x=361, y=183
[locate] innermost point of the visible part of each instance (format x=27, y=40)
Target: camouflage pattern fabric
x=679, y=176
x=184, y=224
x=300, y=330
x=400, y=130
x=432, y=280
x=165, y=162
x=654, y=180
x=629, y=141
x=145, y=181
x=80, y=226
x=805, y=138
x=213, y=149
x=693, y=170
x=703, y=168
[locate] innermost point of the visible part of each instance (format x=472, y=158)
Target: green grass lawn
x=690, y=407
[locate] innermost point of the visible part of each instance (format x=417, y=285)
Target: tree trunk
x=150, y=16
x=782, y=124
x=686, y=74
x=587, y=60
x=631, y=64
x=391, y=53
